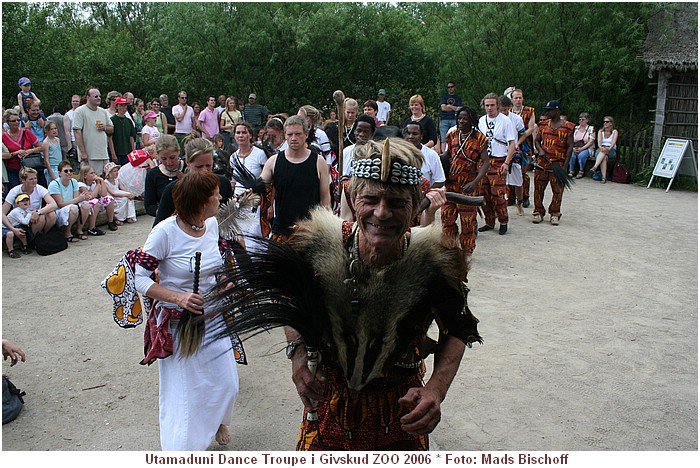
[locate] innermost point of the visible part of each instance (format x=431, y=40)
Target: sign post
x=673, y=154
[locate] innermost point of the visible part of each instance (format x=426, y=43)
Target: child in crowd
x=25, y=96
x=124, y=209
x=98, y=198
x=19, y=217
x=52, y=151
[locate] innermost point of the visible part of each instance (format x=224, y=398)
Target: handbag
x=621, y=174
x=34, y=160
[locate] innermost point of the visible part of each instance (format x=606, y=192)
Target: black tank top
x=296, y=191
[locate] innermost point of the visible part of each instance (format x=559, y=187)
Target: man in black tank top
x=300, y=179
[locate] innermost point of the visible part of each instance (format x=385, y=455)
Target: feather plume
x=271, y=287
x=234, y=212
x=243, y=176
x=562, y=176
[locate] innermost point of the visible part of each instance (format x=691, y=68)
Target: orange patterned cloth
x=553, y=141
x=366, y=420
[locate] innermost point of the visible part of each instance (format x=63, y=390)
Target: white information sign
x=672, y=156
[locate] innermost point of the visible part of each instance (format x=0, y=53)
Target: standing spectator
x=137, y=115
x=229, y=117
x=35, y=120
x=370, y=108
x=554, y=140
x=502, y=136
x=92, y=126
x=161, y=119
x=383, y=108
x=350, y=107
x=222, y=104
x=419, y=116
x=432, y=167
x=254, y=113
x=184, y=119
x=150, y=133
x=72, y=211
x=68, y=121
x=332, y=118
x=51, y=147
x=19, y=142
x=607, y=147
x=208, y=120
x=197, y=109
x=63, y=138
x=449, y=104
x=110, y=101
x=169, y=170
x=165, y=109
x=25, y=97
x=43, y=217
x=584, y=140
x=299, y=177
x=122, y=140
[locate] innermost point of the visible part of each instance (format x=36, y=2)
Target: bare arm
x=437, y=199
x=324, y=181
x=81, y=144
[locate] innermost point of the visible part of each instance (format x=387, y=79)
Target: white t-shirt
x=152, y=133
x=383, y=109
x=499, y=130
x=254, y=162
x=432, y=167
x=186, y=125
x=35, y=198
x=175, y=249
x=321, y=139
x=517, y=121
x=69, y=115
x=95, y=141
x=19, y=216
x=348, y=155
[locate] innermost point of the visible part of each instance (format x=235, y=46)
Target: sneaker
x=95, y=232
x=571, y=174
x=537, y=218
x=485, y=228
x=554, y=220
x=112, y=226
x=14, y=254
x=526, y=202
x=502, y=229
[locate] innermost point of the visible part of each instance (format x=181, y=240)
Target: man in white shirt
x=92, y=125
x=184, y=119
x=432, y=167
x=68, y=120
x=502, y=136
x=383, y=108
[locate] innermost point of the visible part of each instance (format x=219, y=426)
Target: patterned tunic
x=553, y=141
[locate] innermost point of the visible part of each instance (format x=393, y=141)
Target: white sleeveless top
x=608, y=141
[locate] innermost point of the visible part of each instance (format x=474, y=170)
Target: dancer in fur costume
x=361, y=296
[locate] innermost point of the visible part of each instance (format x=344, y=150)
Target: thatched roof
x=672, y=42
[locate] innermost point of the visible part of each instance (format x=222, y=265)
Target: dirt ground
x=590, y=327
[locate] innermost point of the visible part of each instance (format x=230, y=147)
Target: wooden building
x=671, y=52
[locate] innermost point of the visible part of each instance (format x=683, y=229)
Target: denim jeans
x=445, y=125
x=582, y=157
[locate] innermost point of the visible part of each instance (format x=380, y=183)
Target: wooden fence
x=634, y=149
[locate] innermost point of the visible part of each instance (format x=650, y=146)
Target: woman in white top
x=584, y=139
x=254, y=159
x=607, y=146
x=199, y=380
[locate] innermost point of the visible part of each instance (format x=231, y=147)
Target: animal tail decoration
x=234, y=212
x=270, y=287
x=189, y=329
x=243, y=176
x=562, y=176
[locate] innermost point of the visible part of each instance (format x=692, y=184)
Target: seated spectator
x=584, y=140
x=43, y=217
x=98, y=198
x=607, y=147
x=19, y=218
x=124, y=208
x=168, y=170
x=72, y=212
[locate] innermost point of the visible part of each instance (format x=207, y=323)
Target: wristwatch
x=292, y=347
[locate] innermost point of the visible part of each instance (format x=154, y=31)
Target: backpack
x=50, y=243
x=12, y=401
x=621, y=174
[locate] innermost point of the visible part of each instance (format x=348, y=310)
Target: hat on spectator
x=252, y=95
x=109, y=166
x=150, y=115
x=24, y=81
x=552, y=105
x=120, y=100
x=20, y=197
x=381, y=91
